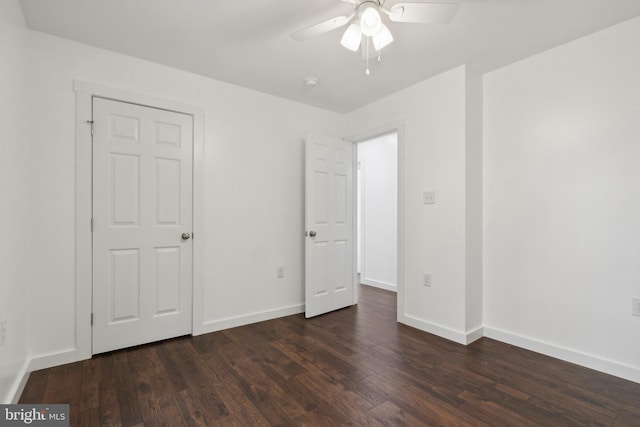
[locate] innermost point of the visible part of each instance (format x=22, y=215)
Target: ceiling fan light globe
x=382, y=38
x=370, y=21
x=351, y=38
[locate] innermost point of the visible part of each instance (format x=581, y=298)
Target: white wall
x=432, y=157
x=378, y=197
x=253, y=207
x=15, y=170
x=562, y=201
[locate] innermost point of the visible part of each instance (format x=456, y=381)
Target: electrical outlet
x=429, y=197
x=635, y=307
x=3, y=331
x=426, y=280
x=280, y=272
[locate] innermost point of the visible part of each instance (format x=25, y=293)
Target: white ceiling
x=246, y=42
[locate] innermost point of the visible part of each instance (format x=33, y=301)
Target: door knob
x=312, y=233
x=185, y=236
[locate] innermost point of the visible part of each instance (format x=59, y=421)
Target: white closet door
x=142, y=222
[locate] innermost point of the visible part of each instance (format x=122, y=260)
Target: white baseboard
x=460, y=337
x=627, y=372
x=20, y=383
x=56, y=359
x=247, y=319
x=41, y=362
x=474, y=334
x=380, y=285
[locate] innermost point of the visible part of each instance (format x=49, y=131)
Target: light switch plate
x=429, y=197
x=426, y=280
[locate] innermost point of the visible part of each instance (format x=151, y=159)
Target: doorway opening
x=377, y=211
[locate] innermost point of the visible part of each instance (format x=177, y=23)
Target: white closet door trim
x=84, y=92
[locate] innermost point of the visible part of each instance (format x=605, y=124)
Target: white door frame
x=397, y=126
x=83, y=206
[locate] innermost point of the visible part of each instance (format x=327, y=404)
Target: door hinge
x=92, y=224
x=91, y=319
x=90, y=123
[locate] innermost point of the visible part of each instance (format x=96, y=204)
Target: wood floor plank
x=145, y=376
x=422, y=403
x=493, y=412
x=37, y=385
x=87, y=417
x=355, y=366
x=109, y=401
x=57, y=384
x=345, y=406
x=89, y=389
x=390, y=414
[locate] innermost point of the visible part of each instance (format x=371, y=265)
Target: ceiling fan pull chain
x=367, y=72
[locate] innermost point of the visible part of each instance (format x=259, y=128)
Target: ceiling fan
x=368, y=19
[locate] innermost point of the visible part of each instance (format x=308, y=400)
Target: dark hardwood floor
x=356, y=366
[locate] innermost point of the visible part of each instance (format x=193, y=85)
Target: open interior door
x=329, y=225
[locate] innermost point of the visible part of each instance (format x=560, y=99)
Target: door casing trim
x=83, y=207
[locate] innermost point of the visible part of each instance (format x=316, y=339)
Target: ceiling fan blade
x=321, y=28
x=424, y=12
